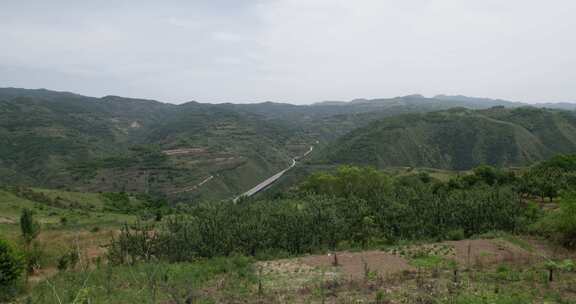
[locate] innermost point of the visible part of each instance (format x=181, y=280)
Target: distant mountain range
x=65, y=140
x=458, y=100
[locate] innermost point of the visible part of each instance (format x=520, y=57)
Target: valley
x=411, y=199
x=271, y=180
x=68, y=141
x=287, y=152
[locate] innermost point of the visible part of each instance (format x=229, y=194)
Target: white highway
x=261, y=186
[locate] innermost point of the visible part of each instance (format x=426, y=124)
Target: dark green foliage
x=11, y=264
x=549, y=178
x=543, y=182
x=456, y=235
x=492, y=176
x=565, y=162
x=482, y=176
x=458, y=139
x=142, y=157
x=29, y=226
x=68, y=260
x=553, y=178
x=349, y=181
x=355, y=206
x=567, y=219
x=113, y=144
x=119, y=201
x=560, y=224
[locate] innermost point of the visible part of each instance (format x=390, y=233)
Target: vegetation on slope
x=458, y=139
x=192, y=255
x=63, y=140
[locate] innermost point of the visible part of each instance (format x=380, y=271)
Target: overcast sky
x=296, y=51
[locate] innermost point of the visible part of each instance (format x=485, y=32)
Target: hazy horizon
x=288, y=102
x=291, y=51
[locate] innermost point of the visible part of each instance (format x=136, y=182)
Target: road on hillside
x=194, y=187
x=269, y=181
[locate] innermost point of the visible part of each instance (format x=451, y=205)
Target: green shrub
x=29, y=226
x=567, y=219
x=561, y=224
x=11, y=267
x=456, y=235
x=68, y=260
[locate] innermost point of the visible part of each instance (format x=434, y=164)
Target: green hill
x=196, y=150
x=63, y=140
x=458, y=139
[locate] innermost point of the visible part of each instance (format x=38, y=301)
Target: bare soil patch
x=486, y=252
x=5, y=220
x=42, y=275
x=550, y=250
x=355, y=264
x=185, y=151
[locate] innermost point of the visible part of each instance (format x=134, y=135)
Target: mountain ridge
x=112, y=143
x=458, y=139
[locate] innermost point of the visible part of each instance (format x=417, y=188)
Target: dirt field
x=353, y=265
x=486, y=252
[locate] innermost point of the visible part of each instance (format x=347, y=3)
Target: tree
x=565, y=162
x=486, y=173
x=567, y=219
x=29, y=226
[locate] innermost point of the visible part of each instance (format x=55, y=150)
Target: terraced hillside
x=60, y=140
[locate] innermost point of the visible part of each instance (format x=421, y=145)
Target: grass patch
x=226, y=278
x=512, y=239
x=427, y=261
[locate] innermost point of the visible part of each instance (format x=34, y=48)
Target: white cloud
x=293, y=50
x=347, y=49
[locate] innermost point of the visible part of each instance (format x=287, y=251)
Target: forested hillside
x=458, y=139
x=211, y=151
x=57, y=139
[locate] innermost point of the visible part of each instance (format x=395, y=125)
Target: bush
x=68, y=260
x=29, y=226
x=560, y=225
x=35, y=256
x=567, y=219
x=11, y=267
x=456, y=235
